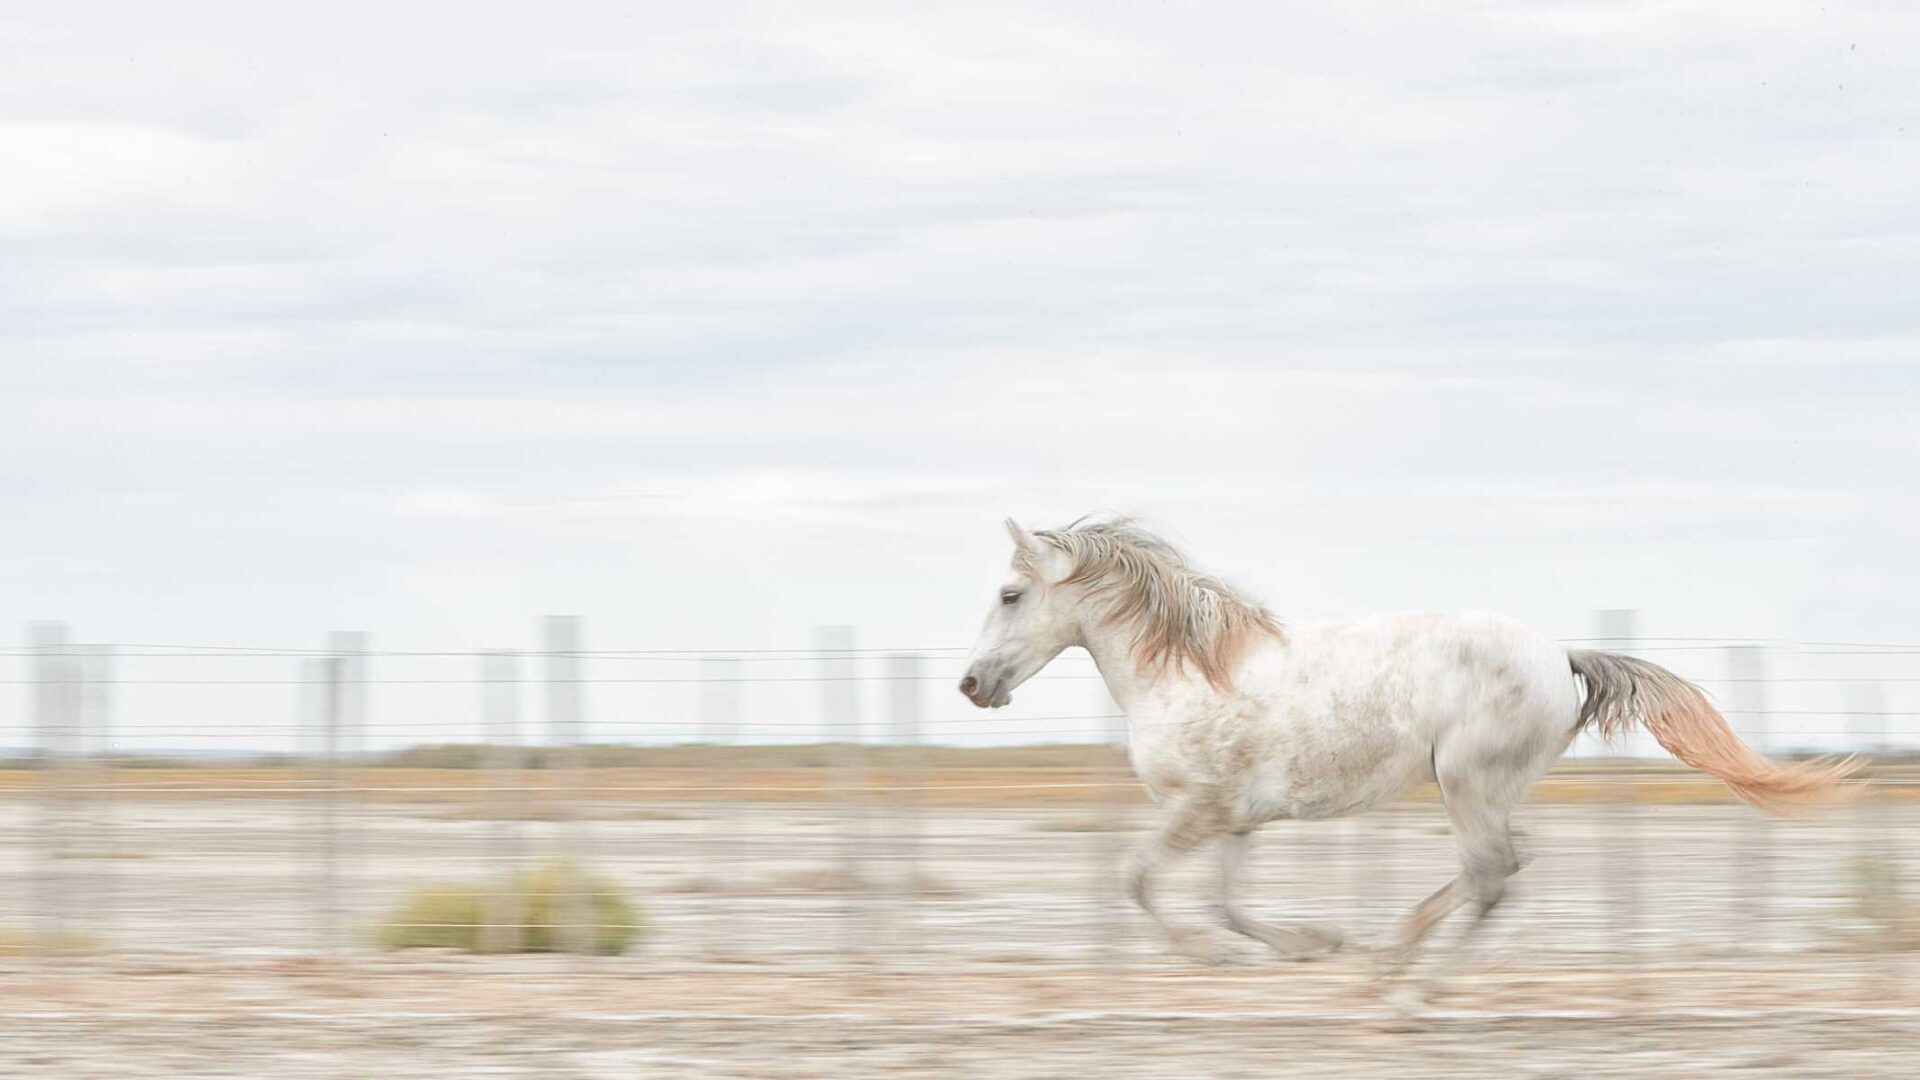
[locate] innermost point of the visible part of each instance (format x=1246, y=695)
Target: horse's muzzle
x=986, y=695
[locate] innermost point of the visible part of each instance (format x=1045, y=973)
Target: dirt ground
x=819, y=939
x=542, y=1017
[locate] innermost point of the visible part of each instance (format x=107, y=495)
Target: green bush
x=457, y=916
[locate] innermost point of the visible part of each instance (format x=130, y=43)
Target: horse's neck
x=1139, y=696
x=1113, y=655
x=1109, y=652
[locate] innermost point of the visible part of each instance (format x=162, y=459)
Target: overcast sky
x=714, y=322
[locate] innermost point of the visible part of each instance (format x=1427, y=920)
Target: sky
x=712, y=326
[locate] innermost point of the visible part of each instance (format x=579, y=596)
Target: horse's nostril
x=969, y=685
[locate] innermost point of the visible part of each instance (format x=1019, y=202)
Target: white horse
x=1235, y=720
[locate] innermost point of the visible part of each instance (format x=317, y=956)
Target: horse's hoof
x=1306, y=953
x=1200, y=949
x=1205, y=957
x=1304, y=942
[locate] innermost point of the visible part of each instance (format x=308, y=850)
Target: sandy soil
x=542, y=1017
x=1649, y=941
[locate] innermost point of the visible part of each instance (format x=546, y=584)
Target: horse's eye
x=1010, y=596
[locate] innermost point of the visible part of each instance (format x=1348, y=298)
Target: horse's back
x=1387, y=697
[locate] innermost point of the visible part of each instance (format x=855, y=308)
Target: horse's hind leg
x=1441, y=903
x=1484, y=837
x=1292, y=942
x=1190, y=822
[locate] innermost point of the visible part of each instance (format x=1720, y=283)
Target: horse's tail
x=1623, y=689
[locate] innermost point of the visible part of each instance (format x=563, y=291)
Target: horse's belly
x=1282, y=789
x=1288, y=780
x=1321, y=770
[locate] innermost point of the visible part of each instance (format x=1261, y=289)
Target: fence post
x=1746, y=668
x=566, y=730
x=1111, y=928
x=504, y=926
x=55, y=701
x=719, y=703
x=905, y=698
x=1373, y=852
x=303, y=780
x=97, y=748
x=840, y=716
x=331, y=673
x=1874, y=876
x=1620, y=848
x=350, y=689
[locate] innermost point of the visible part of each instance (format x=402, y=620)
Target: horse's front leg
x=1190, y=822
x=1299, y=942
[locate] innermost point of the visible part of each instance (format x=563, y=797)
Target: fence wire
x=836, y=805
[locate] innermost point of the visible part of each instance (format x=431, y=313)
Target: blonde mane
x=1177, y=615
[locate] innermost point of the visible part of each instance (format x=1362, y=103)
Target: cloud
x=424, y=325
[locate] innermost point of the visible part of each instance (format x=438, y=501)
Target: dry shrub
x=468, y=916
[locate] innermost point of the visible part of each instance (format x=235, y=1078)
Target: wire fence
x=839, y=805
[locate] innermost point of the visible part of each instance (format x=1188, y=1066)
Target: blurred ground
x=824, y=938
x=433, y=1017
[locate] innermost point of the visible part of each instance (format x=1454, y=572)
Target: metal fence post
x=349, y=690
x=504, y=925
x=840, y=716
x=1746, y=667
x=720, y=713
x=304, y=824
x=577, y=932
x=1106, y=802
x=97, y=748
x=1875, y=877
x=55, y=704
x=1620, y=848
x=1373, y=852
x=905, y=697
x=332, y=703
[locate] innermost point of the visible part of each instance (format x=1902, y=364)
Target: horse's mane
x=1177, y=615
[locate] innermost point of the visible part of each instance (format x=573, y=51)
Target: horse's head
x=1033, y=617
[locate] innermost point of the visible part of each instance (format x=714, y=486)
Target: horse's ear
x=1022, y=539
